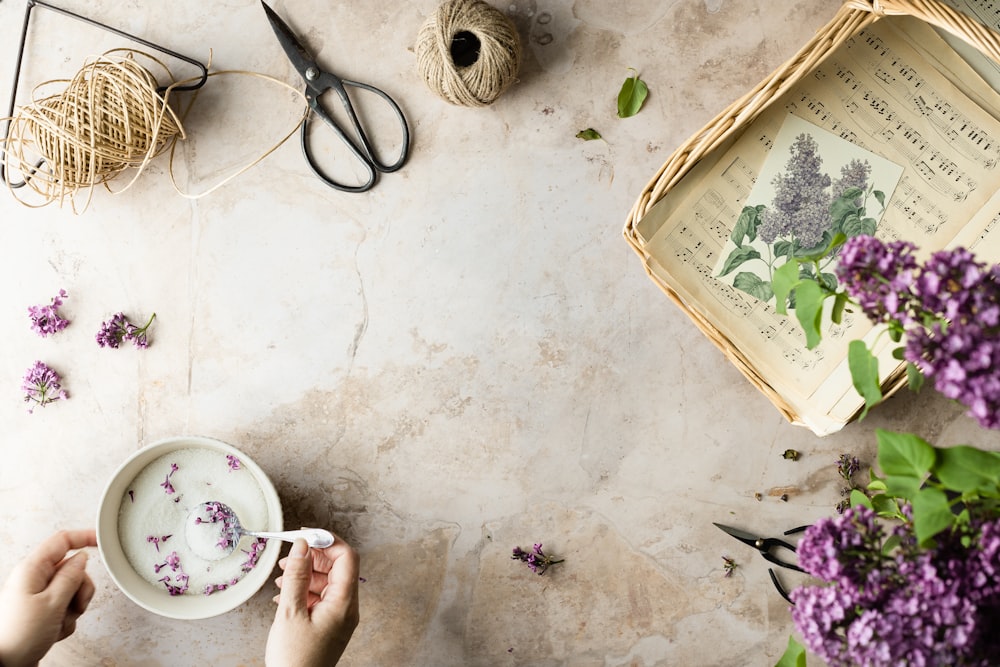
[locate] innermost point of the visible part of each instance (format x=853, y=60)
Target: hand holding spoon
x=213, y=530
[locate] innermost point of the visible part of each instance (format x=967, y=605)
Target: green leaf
x=902, y=486
x=794, y=655
x=829, y=281
x=839, y=302
x=859, y=498
x=855, y=226
x=914, y=378
x=931, y=514
x=864, y=374
x=850, y=194
x=783, y=248
x=737, y=257
x=752, y=284
x=589, y=134
x=967, y=469
x=885, y=506
x=809, y=310
x=746, y=226
x=877, y=485
x=632, y=95
x=904, y=454
x=880, y=196
x=784, y=280
x=839, y=210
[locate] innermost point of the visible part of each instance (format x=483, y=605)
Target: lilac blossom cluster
x=41, y=386
x=118, y=329
x=949, y=308
x=801, y=205
x=935, y=606
x=46, y=320
x=536, y=560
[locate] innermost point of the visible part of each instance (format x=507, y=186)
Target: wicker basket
x=853, y=16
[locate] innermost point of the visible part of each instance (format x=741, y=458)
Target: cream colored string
x=255, y=161
x=109, y=114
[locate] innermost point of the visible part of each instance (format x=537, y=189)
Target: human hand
x=43, y=596
x=317, y=606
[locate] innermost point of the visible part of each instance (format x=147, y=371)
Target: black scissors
x=319, y=82
x=765, y=545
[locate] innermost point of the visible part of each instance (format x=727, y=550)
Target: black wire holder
x=31, y=4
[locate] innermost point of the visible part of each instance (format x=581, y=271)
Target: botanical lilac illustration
x=810, y=214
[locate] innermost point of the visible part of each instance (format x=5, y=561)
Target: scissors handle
x=770, y=543
x=365, y=153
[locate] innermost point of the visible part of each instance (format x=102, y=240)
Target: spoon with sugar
x=213, y=530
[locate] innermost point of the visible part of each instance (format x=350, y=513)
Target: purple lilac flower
x=232, y=462
x=168, y=488
x=42, y=385
x=949, y=308
x=118, y=329
x=935, y=606
x=535, y=559
x=46, y=320
x=854, y=174
x=801, y=205
x=962, y=352
x=879, y=276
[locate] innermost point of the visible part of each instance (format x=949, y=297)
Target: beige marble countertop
x=465, y=359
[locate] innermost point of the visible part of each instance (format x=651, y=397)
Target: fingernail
x=277, y=582
x=299, y=549
x=78, y=559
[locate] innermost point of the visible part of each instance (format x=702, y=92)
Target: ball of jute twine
x=109, y=118
x=447, y=58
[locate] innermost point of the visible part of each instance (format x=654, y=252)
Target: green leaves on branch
x=945, y=486
x=633, y=93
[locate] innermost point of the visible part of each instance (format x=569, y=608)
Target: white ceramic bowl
x=194, y=605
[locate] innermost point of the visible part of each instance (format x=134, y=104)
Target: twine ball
x=468, y=52
x=110, y=117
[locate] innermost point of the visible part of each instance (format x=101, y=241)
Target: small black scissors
x=319, y=82
x=764, y=545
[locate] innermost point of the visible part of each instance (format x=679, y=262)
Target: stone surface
x=465, y=359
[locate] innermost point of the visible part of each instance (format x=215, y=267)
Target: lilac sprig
x=41, y=386
x=536, y=560
x=119, y=329
x=912, y=606
x=45, y=319
x=948, y=308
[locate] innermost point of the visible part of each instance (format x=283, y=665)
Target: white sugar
x=155, y=511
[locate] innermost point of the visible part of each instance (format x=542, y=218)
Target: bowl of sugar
x=144, y=527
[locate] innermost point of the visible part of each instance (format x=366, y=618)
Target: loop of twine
x=482, y=82
x=109, y=118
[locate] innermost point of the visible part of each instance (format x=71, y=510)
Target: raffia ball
x=109, y=118
x=468, y=52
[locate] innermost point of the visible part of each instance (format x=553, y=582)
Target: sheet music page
x=878, y=92
x=986, y=12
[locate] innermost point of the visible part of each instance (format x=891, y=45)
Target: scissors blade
x=741, y=535
x=293, y=48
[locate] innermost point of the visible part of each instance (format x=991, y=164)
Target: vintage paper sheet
x=878, y=92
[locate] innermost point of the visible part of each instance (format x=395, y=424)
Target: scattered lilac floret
x=167, y=486
x=536, y=560
x=118, y=329
x=42, y=385
x=46, y=320
x=232, y=462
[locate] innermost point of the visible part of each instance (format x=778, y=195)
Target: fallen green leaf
x=632, y=95
x=589, y=134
